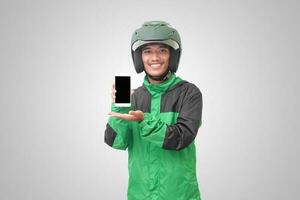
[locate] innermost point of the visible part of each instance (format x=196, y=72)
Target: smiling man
x=156, y=60
x=160, y=127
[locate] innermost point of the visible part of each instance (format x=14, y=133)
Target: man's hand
x=131, y=116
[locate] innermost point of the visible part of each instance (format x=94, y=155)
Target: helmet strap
x=165, y=76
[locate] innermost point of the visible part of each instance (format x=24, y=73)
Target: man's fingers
x=134, y=112
x=113, y=93
x=115, y=114
x=138, y=115
x=131, y=112
x=122, y=116
x=131, y=116
x=113, y=97
x=113, y=89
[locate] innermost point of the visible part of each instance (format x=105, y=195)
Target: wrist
x=117, y=109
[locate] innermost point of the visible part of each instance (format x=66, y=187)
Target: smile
x=155, y=65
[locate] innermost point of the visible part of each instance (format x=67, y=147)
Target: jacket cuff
x=153, y=129
x=120, y=109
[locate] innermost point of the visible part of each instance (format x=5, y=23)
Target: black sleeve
x=110, y=135
x=181, y=134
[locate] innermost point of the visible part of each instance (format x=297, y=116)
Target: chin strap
x=165, y=76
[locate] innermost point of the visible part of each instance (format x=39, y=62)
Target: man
x=160, y=127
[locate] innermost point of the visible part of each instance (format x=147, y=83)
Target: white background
x=57, y=62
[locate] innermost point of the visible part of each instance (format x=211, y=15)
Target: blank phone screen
x=122, y=85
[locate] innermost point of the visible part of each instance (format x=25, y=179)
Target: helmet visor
x=169, y=42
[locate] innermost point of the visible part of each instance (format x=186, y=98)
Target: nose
x=155, y=57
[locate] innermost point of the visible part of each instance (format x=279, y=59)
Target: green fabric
x=156, y=173
x=153, y=128
x=121, y=127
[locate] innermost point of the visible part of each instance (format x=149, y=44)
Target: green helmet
x=155, y=32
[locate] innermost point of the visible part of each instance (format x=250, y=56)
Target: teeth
x=155, y=65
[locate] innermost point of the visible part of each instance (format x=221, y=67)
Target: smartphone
x=122, y=86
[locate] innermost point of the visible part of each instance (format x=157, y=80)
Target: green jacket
x=161, y=149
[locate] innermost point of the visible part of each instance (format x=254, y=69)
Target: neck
x=154, y=81
x=166, y=77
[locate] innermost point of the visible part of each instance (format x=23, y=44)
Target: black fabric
x=189, y=107
x=174, y=59
x=184, y=98
x=172, y=100
x=141, y=99
x=110, y=135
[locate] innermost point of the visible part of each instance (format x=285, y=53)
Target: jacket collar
x=161, y=87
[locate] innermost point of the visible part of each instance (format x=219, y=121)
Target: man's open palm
x=131, y=116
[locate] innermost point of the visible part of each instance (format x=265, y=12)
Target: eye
x=147, y=51
x=163, y=50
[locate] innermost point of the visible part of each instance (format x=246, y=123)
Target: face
x=156, y=59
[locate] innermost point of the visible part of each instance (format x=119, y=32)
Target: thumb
x=134, y=112
x=131, y=112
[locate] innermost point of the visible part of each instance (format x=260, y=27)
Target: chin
x=155, y=74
